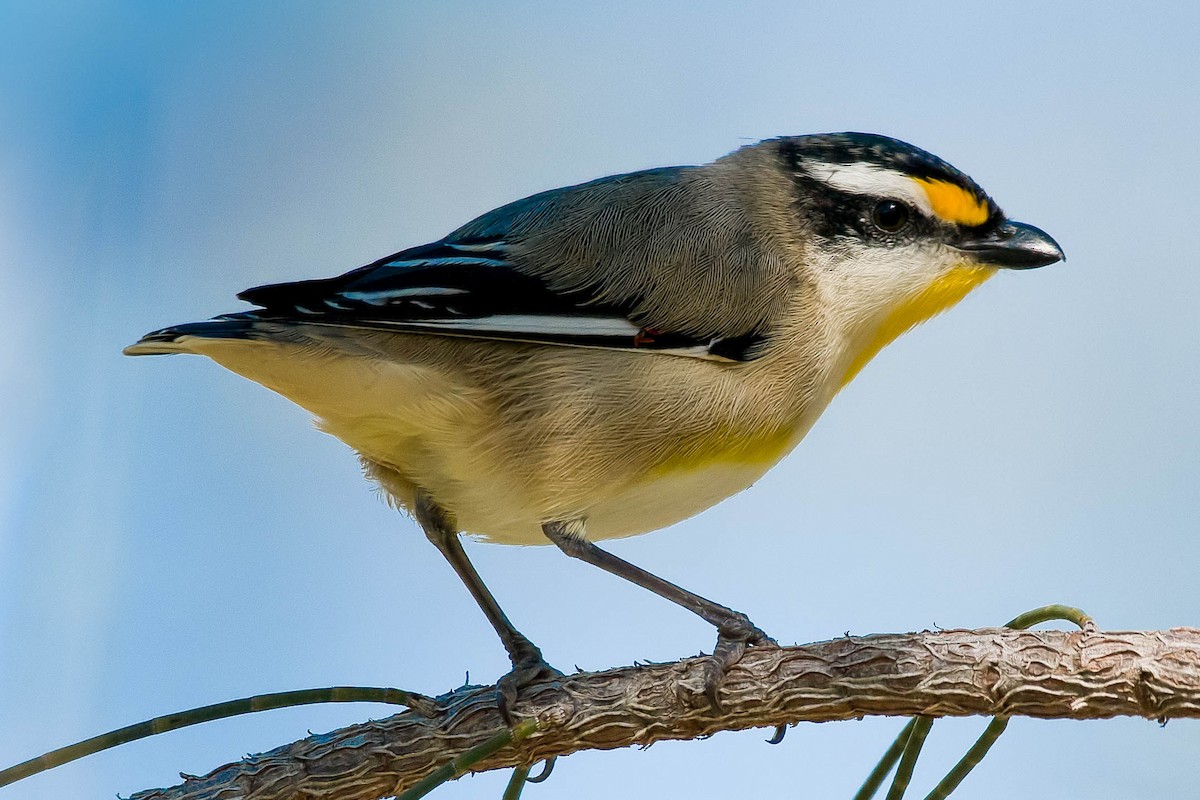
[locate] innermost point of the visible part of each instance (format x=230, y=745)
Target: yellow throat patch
x=935, y=298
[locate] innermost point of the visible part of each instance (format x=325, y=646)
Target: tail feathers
x=171, y=340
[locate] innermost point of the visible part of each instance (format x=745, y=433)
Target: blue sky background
x=172, y=535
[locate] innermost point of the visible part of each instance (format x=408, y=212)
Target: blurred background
x=172, y=535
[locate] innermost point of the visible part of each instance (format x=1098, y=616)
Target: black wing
x=630, y=261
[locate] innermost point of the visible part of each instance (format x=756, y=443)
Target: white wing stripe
x=385, y=296
x=494, y=247
x=465, y=261
x=567, y=325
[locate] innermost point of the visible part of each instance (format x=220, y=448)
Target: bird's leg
x=735, y=631
x=528, y=664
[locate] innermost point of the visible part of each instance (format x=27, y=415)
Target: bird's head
x=895, y=235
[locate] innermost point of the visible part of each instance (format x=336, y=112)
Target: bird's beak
x=1013, y=245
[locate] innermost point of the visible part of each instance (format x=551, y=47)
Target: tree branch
x=1048, y=674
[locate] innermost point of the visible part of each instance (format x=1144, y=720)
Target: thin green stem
x=875, y=779
x=516, y=784
x=969, y=761
x=457, y=766
x=908, y=760
x=1049, y=613
x=232, y=708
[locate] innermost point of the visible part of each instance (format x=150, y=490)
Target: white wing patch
x=552, y=325
x=385, y=296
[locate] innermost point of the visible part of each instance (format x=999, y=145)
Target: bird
x=609, y=358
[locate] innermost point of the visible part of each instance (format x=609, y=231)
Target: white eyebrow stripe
x=872, y=180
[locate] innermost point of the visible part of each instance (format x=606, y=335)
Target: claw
x=506, y=698
x=732, y=640
x=547, y=768
x=528, y=668
x=777, y=737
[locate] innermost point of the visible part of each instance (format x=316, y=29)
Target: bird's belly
x=661, y=497
x=669, y=497
x=422, y=430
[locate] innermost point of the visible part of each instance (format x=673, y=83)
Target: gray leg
x=735, y=631
x=527, y=661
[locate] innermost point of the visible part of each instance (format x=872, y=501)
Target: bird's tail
x=175, y=338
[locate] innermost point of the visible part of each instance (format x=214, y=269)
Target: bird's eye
x=890, y=216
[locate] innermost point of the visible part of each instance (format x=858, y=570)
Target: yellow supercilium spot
x=944, y=292
x=953, y=203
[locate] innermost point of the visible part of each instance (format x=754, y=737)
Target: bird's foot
x=733, y=637
x=528, y=668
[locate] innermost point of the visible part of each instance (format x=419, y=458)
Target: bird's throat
x=945, y=291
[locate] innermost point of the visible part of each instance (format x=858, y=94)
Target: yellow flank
x=730, y=447
x=953, y=203
x=944, y=292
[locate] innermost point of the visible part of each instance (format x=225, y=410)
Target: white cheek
x=859, y=286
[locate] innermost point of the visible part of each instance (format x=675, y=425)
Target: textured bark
x=1049, y=674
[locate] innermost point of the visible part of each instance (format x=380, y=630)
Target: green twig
x=968, y=762
x=516, y=784
x=1049, y=614
x=908, y=761
x=232, y=708
x=875, y=779
x=457, y=766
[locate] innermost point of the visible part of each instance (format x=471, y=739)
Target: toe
x=528, y=668
x=732, y=640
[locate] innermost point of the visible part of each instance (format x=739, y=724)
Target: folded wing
x=659, y=260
